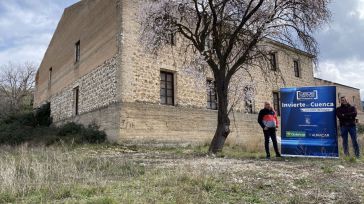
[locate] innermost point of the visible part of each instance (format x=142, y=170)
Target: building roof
x=336, y=83
x=288, y=47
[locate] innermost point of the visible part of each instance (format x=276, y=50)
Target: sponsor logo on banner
x=307, y=95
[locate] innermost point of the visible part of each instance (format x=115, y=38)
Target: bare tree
x=231, y=35
x=16, y=86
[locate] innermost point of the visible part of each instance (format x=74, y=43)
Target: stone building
x=351, y=93
x=95, y=70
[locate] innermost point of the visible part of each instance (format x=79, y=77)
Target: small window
x=273, y=61
x=76, y=93
x=78, y=51
x=249, y=102
x=172, y=39
x=338, y=97
x=50, y=77
x=167, y=88
x=296, y=67
x=353, y=99
x=249, y=106
x=276, y=102
x=211, y=95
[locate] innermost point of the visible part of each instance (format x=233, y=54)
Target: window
x=296, y=67
x=211, y=95
x=78, y=51
x=167, y=88
x=76, y=92
x=50, y=77
x=353, y=99
x=276, y=102
x=249, y=102
x=338, y=97
x=273, y=61
x=249, y=106
x=172, y=39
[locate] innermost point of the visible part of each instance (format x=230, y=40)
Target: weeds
x=115, y=174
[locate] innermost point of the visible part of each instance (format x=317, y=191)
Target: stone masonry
x=97, y=90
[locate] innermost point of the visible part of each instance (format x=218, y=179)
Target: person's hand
x=265, y=128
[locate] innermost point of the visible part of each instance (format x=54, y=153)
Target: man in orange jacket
x=267, y=119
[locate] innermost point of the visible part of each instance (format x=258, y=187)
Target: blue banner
x=308, y=117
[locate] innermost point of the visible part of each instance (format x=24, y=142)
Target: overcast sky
x=26, y=28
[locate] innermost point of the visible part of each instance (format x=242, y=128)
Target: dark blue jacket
x=346, y=114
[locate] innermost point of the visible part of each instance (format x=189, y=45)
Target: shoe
x=278, y=155
x=267, y=157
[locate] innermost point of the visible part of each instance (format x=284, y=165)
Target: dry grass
x=116, y=174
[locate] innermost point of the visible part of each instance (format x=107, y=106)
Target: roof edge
x=316, y=78
x=275, y=42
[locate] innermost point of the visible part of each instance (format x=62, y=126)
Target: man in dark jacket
x=347, y=114
x=267, y=119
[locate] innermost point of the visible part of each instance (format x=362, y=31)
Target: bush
x=360, y=128
x=93, y=135
x=80, y=134
x=42, y=115
x=13, y=133
x=22, y=119
x=70, y=129
x=33, y=128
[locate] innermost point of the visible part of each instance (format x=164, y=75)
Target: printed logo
x=295, y=134
x=307, y=95
x=307, y=120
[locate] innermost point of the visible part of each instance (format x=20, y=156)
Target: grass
x=117, y=174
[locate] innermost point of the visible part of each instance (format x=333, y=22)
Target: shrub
x=93, y=135
x=14, y=133
x=26, y=119
x=70, y=129
x=42, y=115
x=81, y=134
x=360, y=128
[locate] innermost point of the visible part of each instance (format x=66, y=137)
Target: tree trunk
x=223, y=121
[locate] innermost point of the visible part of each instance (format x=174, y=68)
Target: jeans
x=270, y=133
x=344, y=134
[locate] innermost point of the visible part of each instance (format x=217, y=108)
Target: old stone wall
x=153, y=123
x=93, y=23
x=97, y=90
x=141, y=71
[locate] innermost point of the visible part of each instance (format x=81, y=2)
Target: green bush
x=360, y=128
x=70, y=129
x=34, y=127
x=42, y=115
x=93, y=135
x=14, y=133
x=80, y=134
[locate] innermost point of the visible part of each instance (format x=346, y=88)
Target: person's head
x=267, y=105
x=343, y=100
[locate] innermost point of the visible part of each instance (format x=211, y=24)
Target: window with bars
x=78, y=51
x=211, y=95
x=276, y=102
x=273, y=61
x=76, y=93
x=296, y=67
x=166, y=88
